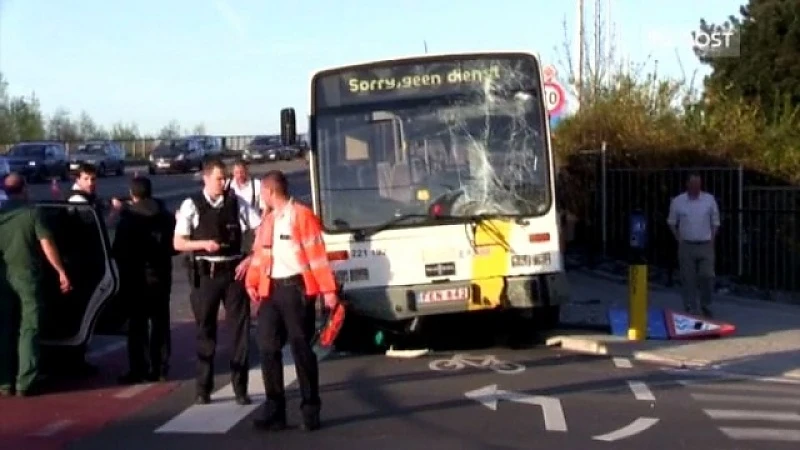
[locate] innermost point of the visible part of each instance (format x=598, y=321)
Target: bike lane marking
x=461, y=361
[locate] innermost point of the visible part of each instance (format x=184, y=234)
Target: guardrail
x=140, y=149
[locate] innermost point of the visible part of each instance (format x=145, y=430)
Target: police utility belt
x=211, y=268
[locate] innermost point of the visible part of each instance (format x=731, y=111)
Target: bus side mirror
x=288, y=127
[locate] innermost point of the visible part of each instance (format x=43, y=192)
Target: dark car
x=264, y=148
x=39, y=161
x=69, y=320
x=178, y=155
x=107, y=156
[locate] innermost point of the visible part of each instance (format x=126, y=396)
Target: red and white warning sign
x=686, y=326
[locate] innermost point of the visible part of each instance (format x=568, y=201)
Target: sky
x=232, y=64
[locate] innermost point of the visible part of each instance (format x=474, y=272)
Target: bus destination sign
x=424, y=78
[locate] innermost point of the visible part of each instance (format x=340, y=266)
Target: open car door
x=81, y=238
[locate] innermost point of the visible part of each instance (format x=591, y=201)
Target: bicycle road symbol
x=461, y=361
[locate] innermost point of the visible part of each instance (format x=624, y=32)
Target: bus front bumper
x=399, y=303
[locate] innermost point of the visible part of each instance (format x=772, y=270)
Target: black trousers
x=212, y=289
x=149, y=337
x=288, y=316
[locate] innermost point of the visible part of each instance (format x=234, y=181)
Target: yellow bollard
x=637, y=297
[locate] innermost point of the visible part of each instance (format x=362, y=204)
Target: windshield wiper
x=517, y=218
x=363, y=233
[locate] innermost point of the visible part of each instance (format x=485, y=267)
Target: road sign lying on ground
x=663, y=324
x=686, y=326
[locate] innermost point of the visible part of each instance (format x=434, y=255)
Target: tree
x=61, y=127
x=88, y=129
x=26, y=118
x=124, y=132
x=171, y=131
x=199, y=129
x=767, y=69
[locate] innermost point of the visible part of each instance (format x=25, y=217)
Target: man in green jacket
x=24, y=239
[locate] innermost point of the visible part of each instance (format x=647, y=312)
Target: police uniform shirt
x=187, y=219
x=284, y=262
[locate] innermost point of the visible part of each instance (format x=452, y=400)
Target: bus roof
x=422, y=57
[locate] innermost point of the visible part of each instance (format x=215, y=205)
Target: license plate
x=73, y=166
x=162, y=164
x=458, y=294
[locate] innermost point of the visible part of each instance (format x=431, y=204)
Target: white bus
x=433, y=177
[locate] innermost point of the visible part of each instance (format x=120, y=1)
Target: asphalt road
x=535, y=398
x=552, y=400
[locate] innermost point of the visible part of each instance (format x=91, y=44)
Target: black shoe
x=243, y=399
x=274, y=423
x=310, y=423
x=157, y=378
x=202, y=399
x=131, y=378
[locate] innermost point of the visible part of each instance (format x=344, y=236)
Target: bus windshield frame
x=482, y=142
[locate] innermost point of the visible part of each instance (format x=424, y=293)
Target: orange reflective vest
x=309, y=248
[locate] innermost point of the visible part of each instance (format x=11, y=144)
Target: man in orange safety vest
x=287, y=269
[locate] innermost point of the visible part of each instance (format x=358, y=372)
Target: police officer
x=209, y=226
x=287, y=270
x=25, y=238
x=143, y=251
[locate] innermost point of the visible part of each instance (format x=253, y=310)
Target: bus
x=433, y=179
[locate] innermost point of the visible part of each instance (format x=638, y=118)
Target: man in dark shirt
x=143, y=251
x=24, y=239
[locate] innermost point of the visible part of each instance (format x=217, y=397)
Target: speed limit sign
x=554, y=97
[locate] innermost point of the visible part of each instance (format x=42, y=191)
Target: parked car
x=39, y=160
x=69, y=320
x=5, y=169
x=107, y=156
x=264, y=148
x=176, y=155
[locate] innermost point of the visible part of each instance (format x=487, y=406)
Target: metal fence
x=759, y=240
x=141, y=148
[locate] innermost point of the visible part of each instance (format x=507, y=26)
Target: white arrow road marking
x=553, y=413
x=637, y=426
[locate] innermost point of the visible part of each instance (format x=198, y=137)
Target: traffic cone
x=55, y=189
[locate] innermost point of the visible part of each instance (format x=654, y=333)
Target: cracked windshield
x=365, y=225
x=477, y=146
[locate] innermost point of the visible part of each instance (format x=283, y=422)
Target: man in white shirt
x=209, y=226
x=245, y=186
x=694, y=220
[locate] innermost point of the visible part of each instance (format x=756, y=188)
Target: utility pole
x=581, y=56
x=425, y=43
